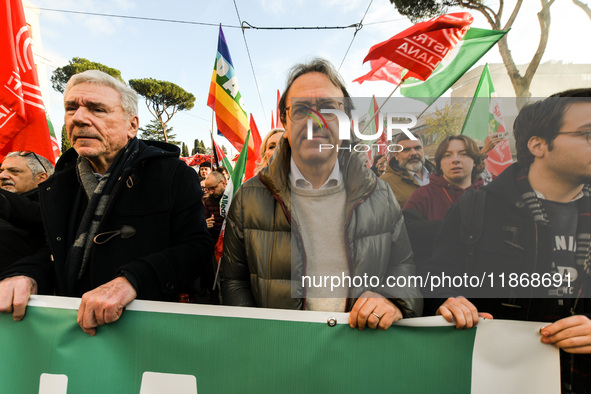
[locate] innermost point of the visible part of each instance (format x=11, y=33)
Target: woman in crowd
x=268, y=147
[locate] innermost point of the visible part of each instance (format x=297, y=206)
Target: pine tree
x=153, y=132
x=65, y=142
x=184, y=150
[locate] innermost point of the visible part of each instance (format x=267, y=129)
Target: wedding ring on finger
x=376, y=315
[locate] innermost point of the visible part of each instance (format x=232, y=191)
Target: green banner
x=183, y=352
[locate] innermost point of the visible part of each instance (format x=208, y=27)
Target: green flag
x=479, y=117
x=484, y=118
x=235, y=179
x=473, y=46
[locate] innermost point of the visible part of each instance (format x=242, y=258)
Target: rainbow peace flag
x=225, y=98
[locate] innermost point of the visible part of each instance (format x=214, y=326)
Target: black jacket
x=21, y=227
x=510, y=242
x=158, y=196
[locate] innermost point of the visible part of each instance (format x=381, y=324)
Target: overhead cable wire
x=139, y=18
x=251, y=65
x=359, y=26
x=246, y=25
x=387, y=21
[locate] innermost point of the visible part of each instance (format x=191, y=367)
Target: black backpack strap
x=471, y=221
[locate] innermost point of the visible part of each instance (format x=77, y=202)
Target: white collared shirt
x=425, y=180
x=297, y=179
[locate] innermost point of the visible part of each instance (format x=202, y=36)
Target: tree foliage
x=61, y=75
x=199, y=148
x=184, y=150
x=65, y=141
x=153, y=132
x=418, y=10
x=163, y=99
x=445, y=121
x=421, y=9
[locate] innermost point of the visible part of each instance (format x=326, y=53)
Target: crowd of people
x=121, y=218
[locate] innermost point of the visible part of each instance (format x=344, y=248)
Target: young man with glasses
x=21, y=227
x=315, y=211
x=536, y=220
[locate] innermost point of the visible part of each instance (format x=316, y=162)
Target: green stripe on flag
x=472, y=47
x=236, y=178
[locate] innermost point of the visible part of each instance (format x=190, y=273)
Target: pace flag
x=421, y=47
x=484, y=118
x=225, y=99
x=23, y=125
x=472, y=47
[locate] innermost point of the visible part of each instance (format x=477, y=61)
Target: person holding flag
x=286, y=225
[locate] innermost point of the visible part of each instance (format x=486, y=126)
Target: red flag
x=251, y=159
x=278, y=122
x=256, y=136
x=272, y=121
x=421, y=47
x=382, y=69
x=23, y=125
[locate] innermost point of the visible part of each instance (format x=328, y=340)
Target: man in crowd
x=21, y=227
x=124, y=218
x=288, y=223
x=536, y=218
x=458, y=164
x=215, y=183
x=204, y=170
x=22, y=171
x=408, y=169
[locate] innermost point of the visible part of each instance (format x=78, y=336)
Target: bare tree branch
x=513, y=15
x=583, y=6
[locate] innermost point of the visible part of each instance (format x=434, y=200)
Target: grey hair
x=33, y=164
x=128, y=95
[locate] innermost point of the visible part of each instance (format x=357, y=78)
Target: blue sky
x=185, y=53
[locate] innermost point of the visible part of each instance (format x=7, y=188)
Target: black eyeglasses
x=300, y=112
x=586, y=133
x=212, y=188
x=25, y=153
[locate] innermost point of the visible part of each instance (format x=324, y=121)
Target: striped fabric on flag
x=225, y=98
